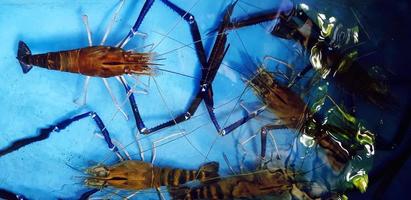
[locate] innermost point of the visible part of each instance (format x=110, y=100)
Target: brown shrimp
x=342, y=138
x=100, y=61
x=139, y=175
x=291, y=109
x=250, y=185
x=280, y=100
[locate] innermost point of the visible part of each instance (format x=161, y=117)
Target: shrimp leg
x=209, y=71
x=44, y=133
x=133, y=31
x=288, y=21
x=264, y=131
x=87, y=194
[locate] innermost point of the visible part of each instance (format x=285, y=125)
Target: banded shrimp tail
x=269, y=181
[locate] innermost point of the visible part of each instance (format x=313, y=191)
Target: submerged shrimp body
x=100, y=61
x=139, y=175
x=342, y=136
x=339, y=142
x=290, y=109
x=244, y=186
x=280, y=100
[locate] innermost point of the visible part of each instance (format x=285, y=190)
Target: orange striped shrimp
x=254, y=185
x=342, y=136
x=100, y=61
x=139, y=175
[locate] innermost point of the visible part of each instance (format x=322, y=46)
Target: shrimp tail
x=22, y=54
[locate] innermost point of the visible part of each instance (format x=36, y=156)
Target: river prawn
x=138, y=175
x=99, y=61
x=340, y=135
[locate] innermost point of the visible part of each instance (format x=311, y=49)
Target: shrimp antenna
x=74, y=168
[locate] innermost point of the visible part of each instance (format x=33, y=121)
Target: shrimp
x=267, y=182
x=139, y=175
x=340, y=134
x=99, y=61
